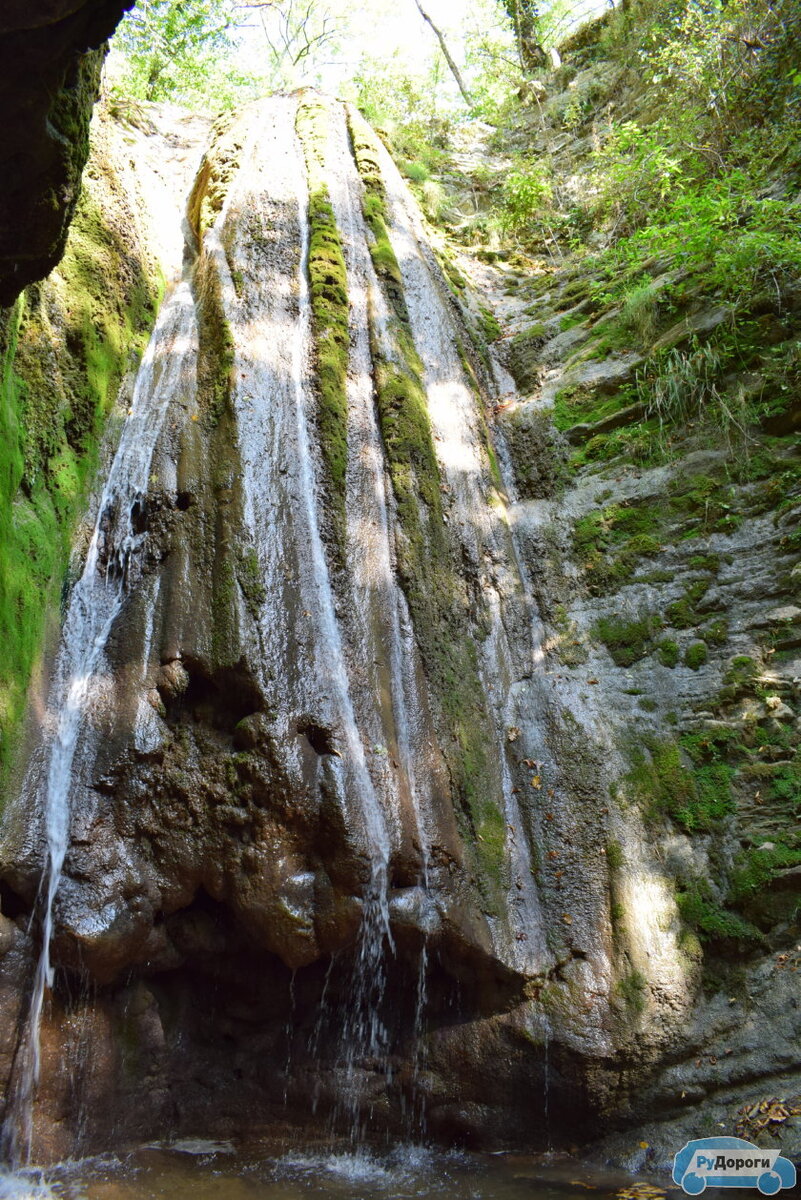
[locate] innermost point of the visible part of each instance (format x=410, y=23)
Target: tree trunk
x=454, y=69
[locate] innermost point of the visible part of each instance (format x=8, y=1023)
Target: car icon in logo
x=731, y=1162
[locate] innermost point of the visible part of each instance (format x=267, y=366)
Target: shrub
x=668, y=652
x=627, y=640
x=696, y=655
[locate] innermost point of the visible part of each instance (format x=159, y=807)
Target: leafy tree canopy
x=170, y=44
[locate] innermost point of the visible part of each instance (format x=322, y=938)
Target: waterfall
x=113, y=563
x=455, y=420
x=330, y=637
x=273, y=401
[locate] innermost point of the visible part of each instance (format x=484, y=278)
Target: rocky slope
x=654, y=445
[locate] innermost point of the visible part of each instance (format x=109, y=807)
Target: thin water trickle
x=112, y=564
x=546, y=1086
x=289, y=1033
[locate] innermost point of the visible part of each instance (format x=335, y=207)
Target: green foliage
x=525, y=195
x=525, y=18
x=181, y=51
x=636, y=171
x=406, y=105
x=696, y=654
x=627, y=640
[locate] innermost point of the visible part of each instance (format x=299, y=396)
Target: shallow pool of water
x=195, y=1170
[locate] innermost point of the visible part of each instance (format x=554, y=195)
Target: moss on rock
x=328, y=282
x=64, y=349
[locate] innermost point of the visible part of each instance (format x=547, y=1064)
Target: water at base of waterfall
x=196, y=1170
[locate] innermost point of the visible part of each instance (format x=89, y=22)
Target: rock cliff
x=422, y=737
x=50, y=60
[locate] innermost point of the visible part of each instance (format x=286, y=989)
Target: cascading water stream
x=274, y=400
x=383, y=628
x=452, y=410
x=112, y=562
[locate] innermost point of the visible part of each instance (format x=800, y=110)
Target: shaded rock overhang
x=51, y=54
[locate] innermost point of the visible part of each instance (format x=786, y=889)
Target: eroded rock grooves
x=328, y=831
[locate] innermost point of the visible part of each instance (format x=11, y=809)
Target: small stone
x=788, y=614
x=778, y=709
x=8, y=932
x=173, y=680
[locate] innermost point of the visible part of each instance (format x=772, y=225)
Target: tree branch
x=446, y=52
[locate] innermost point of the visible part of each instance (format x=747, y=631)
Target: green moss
x=705, y=504
x=631, y=989
x=490, y=326
x=717, y=633
x=708, y=917
x=328, y=284
x=712, y=771
x=704, y=562
x=755, y=869
x=585, y=404
x=524, y=356
x=97, y=308
x=627, y=640
x=374, y=207
x=668, y=652
x=610, y=543
x=537, y=453
x=248, y=573
x=696, y=655
x=216, y=357
x=743, y=671
x=614, y=854
x=696, y=796
x=682, y=613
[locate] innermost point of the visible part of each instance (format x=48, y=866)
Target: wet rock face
x=263, y=800
x=324, y=776
x=50, y=61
